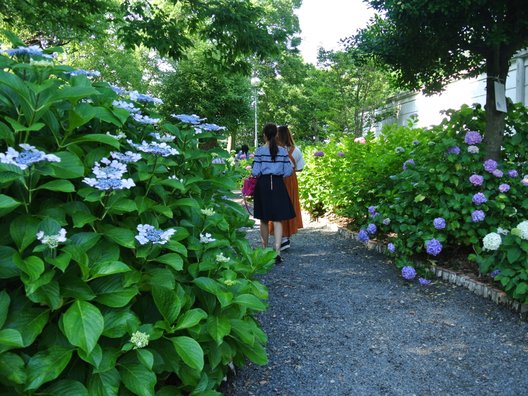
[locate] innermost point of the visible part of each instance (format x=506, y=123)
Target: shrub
x=123, y=266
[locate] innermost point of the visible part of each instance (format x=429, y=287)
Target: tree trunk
x=497, y=65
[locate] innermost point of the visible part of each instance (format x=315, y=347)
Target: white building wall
x=428, y=109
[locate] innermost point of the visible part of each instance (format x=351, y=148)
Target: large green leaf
x=256, y=353
x=250, y=301
x=218, y=327
x=104, y=384
x=190, y=318
x=58, y=185
x=70, y=166
x=67, y=387
x=121, y=236
x=26, y=318
x=138, y=379
x=8, y=268
x=108, y=268
x=167, y=302
x=5, y=300
x=99, y=138
x=171, y=259
x=190, y=351
x=83, y=325
x=10, y=338
x=46, y=366
x=111, y=292
x=12, y=368
x=75, y=93
x=23, y=231
x=119, y=322
x=6, y=202
x=33, y=266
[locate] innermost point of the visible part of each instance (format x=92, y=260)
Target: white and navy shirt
x=264, y=165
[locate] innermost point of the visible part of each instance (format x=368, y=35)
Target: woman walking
x=272, y=202
x=290, y=227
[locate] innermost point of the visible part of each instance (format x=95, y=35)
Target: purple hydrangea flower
x=476, y=180
x=473, y=137
x=340, y=154
x=504, y=187
x=433, y=247
x=407, y=163
x=390, y=247
x=524, y=181
x=386, y=221
x=453, y=150
x=513, y=173
x=424, y=282
x=318, y=154
x=372, y=229
x=363, y=236
x=479, y=198
x=490, y=165
x=478, y=215
x=497, y=173
x=372, y=210
x=439, y=223
x=408, y=272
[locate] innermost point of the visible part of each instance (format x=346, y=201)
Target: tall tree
x=430, y=43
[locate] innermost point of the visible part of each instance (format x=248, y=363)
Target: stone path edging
x=496, y=295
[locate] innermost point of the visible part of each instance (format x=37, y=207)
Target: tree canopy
x=431, y=43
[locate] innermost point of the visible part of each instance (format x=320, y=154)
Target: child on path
x=290, y=227
x=272, y=202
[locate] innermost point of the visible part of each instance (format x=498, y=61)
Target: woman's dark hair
x=270, y=132
x=245, y=148
x=284, y=136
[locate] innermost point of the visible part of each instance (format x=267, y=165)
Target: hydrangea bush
x=432, y=192
x=123, y=267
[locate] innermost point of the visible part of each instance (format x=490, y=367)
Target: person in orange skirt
x=290, y=227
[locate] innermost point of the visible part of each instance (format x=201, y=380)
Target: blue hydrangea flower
x=439, y=223
x=372, y=211
x=122, y=104
x=126, y=157
x=433, y=247
x=31, y=50
x=208, y=127
x=399, y=150
x=149, y=234
x=390, y=247
x=166, y=137
x=87, y=73
x=513, y=173
x=504, y=187
x=497, y=173
x=318, y=154
x=155, y=148
x=495, y=273
x=363, y=236
x=407, y=163
x=109, y=184
x=372, y=229
x=137, y=97
x=416, y=142
x=453, y=150
x=144, y=119
x=472, y=138
x=490, y=165
x=188, y=119
x=118, y=90
x=386, y=221
x=476, y=180
x=424, y=282
x=340, y=154
x=408, y=272
x=109, y=170
x=29, y=156
x=477, y=216
x=479, y=198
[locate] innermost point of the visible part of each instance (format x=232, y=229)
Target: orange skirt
x=290, y=227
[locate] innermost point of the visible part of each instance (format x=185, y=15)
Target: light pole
x=255, y=82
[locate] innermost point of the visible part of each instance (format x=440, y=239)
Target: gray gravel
x=341, y=321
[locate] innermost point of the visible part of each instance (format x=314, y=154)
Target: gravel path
x=341, y=321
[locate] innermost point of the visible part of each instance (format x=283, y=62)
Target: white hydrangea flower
x=139, y=339
x=208, y=212
x=523, y=228
x=502, y=231
x=492, y=241
x=173, y=177
x=221, y=258
x=206, y=238
x=52, y=240
x=473, y=149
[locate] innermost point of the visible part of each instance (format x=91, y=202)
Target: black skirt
x=272, y=202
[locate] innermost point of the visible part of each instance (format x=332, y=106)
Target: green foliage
x=375, y=183
x=90, y=302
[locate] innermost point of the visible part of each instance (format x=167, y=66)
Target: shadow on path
x=341, y=321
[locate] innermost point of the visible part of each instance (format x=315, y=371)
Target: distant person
x=243, y=153
x=290, y=227
x=272, y=202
